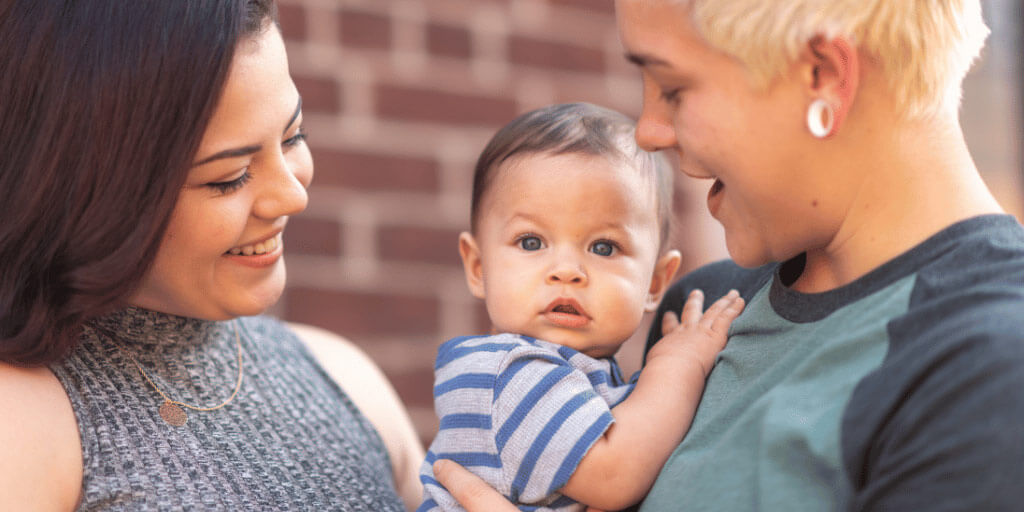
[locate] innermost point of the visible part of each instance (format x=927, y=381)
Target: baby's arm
x=620, y=467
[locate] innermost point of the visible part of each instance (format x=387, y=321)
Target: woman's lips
x=258, y=255
x=715, y=196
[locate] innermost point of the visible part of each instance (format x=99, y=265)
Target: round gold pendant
x=172, y=414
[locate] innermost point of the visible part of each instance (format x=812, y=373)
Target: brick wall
x=399, y=97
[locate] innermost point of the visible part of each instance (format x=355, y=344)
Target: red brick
x=318, y=94
x=483, y=321
x=293, y=21
x=363, y=314
x=419, y=245
x=415, y=387
x=375, y=172
x=448, y=41
x=607, y=6
x=313, y=236
x=365, y=30
x=409, y=103
x=546, y=54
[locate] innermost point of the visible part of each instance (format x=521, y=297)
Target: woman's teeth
x=257, y=248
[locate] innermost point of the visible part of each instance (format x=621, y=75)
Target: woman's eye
x=603, y=248
x=295, y=140
x=530, y=243
x=227, y=187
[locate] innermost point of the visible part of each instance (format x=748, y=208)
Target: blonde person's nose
x=654, y=129
x=285, y=192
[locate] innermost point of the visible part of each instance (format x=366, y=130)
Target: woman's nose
x=285, y=192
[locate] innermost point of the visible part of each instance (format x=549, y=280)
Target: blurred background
x=401, y=95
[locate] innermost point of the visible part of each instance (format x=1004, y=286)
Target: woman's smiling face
x=221, y=254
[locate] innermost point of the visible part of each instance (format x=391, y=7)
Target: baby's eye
x=603, y=248
x=530, y=243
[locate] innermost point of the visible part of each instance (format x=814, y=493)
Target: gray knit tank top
x=290, y=440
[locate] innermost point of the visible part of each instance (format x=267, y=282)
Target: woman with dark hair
x=152, y=153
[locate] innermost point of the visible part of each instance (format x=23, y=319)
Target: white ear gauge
x=820, y=118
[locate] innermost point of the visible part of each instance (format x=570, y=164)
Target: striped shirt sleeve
x=546, y=417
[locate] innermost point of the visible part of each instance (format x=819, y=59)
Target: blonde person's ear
x=832, y=74
x=471, y=264
x=664, y=270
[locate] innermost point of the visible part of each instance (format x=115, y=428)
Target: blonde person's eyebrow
x=248, y=150
x=644, y=60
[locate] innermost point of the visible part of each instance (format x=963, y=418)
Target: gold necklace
x=171, y=410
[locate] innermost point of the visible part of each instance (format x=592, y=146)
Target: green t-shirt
x=903, y=390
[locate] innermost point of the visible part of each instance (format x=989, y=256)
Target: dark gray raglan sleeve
x=715, y=280
x=940, y=425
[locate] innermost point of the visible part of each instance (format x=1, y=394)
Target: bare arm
x=621, y=466
x=370, y=390
x=41, y=466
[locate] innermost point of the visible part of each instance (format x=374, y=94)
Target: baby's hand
x=699, y=337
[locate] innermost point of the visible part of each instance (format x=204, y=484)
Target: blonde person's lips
x=715, y=196
x=566, y=312
x=260, y=253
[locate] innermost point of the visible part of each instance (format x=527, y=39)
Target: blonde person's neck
x=916, y=178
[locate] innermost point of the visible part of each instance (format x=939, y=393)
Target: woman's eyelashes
x=295, y=140
x=227, y=187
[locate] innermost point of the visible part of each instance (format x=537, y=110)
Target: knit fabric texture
x=290, y=440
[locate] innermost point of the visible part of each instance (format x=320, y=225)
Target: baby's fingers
x=669, y=323
x=718, y=309
x=692, y=309
x=720, y=324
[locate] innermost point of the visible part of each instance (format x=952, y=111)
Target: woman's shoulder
x=42, y=462
x=364, y=382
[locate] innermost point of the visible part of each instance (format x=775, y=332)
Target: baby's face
x=567, y=248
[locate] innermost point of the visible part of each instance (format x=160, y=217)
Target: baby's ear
x=471, y=264
x=664, y=270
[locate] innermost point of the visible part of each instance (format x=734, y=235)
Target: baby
x=567, y=248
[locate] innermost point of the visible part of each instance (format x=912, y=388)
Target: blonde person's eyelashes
x=672, y=96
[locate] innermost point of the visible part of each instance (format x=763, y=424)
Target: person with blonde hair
x=879, y=361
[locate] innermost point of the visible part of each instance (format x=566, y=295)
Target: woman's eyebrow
x=295, y=115
x=248, y=150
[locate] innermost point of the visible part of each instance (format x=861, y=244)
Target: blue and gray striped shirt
x=521, y=413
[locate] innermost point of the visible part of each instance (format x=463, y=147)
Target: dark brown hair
x=103, y=104
x=569, y=128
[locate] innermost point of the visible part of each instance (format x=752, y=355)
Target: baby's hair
x=924, y=47
x=573, y=128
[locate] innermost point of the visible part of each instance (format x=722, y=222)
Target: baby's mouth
x=269, y=245
x=565, y=308
x=565, y=312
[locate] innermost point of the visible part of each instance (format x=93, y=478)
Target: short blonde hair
x=925, y=47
